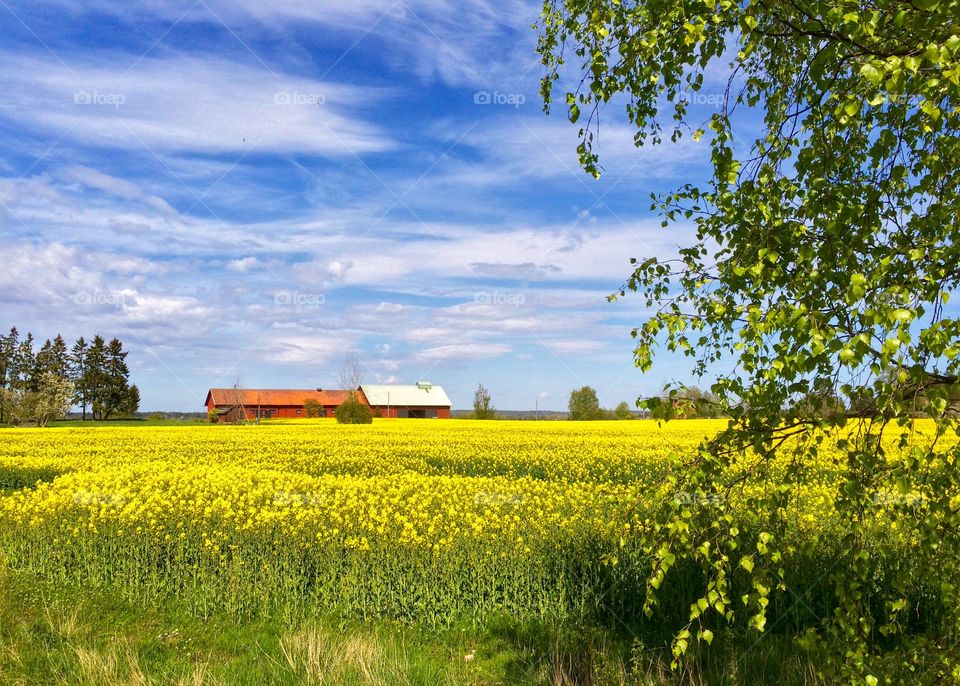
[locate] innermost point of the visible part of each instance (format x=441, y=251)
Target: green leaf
x=871, y=73
x=858, y=287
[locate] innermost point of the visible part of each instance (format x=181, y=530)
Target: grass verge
x=56, y=634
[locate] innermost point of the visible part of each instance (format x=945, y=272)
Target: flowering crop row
x=426, y=521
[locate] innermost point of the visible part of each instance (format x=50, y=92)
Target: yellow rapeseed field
x=423, y=520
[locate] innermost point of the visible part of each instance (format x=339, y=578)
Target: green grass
x=66, y=635
x=55, y=634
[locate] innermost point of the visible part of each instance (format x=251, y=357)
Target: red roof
x=284, y=397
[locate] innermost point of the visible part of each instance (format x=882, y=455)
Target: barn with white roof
x=421, y=400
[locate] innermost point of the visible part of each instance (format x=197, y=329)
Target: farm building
x=422, y=400
x=232, y=404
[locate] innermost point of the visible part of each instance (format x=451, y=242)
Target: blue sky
x=249, y=191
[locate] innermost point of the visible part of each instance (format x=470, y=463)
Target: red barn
x=233, y=404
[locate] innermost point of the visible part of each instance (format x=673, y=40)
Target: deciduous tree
x=482, y=408
x=824, y=254
x=584, y=405
x=622, y=411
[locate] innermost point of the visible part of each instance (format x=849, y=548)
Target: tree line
x=42, y=383
x=584, y=406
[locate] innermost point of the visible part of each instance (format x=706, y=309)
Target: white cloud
x=156, y=308
x=243, y=264
x=484, y=43
x=91, y=178
x=528, y=145
x=573, y=346
x=77, y=289
x=187, y=104
x=464, y=351
x=303, y=347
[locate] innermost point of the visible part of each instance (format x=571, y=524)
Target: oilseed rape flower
x=420, y=520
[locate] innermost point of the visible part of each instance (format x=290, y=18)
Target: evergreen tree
x=8, y=348
x=59, y=362
x=131, y=401
x=117, y=377
x=78, y=374
x=24, y=377
x=41, y=363
x=95, y=375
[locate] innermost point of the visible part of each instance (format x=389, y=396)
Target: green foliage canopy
x=352, y=411
x=622, y=411
x=822, y=264
x=584, y=405
x=482, y=407
x=312, y=408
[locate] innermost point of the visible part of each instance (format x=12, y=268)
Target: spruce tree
x=78, y=374
x=59, y=362
x=117, y=376
x=25, y=377
x=95, y=375
x=8, y=349
x=131, y=401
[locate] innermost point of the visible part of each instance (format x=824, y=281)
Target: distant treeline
x=42, y=383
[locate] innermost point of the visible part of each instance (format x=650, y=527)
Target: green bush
x=352, y=411
x=313, y=408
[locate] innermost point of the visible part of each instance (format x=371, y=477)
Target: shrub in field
x=352, y=411
x=312, y=408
